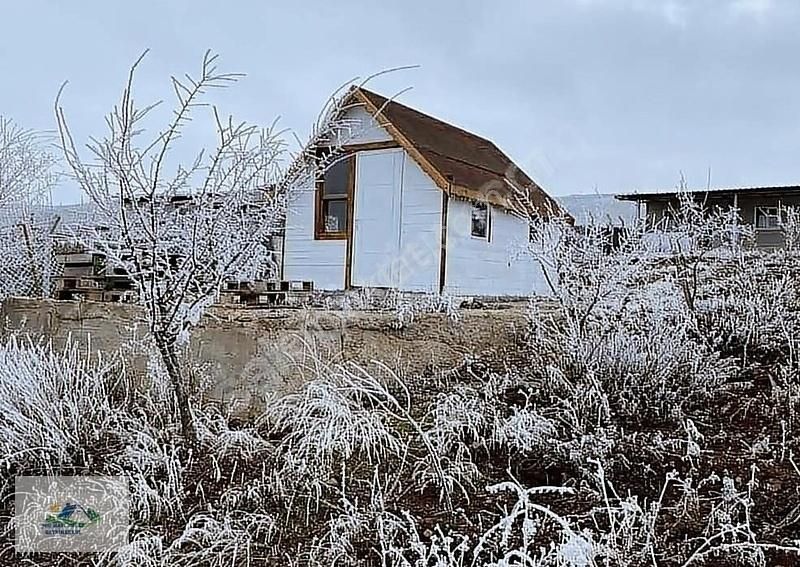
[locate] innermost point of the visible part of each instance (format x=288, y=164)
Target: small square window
x=334, y=215
x=768, y=218
x=480, y=221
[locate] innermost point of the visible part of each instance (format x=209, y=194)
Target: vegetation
x=644, y=425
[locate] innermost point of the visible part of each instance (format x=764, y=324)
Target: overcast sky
x=586, y=95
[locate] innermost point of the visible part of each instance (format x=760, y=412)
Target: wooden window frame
x=349, y=153
x=319, y=221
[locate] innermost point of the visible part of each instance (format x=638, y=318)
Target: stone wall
x=250, y=353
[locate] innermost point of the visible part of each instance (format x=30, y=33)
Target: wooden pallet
x=265, y=294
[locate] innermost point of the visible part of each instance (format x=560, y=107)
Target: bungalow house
x=758, y=206
x=418, y=205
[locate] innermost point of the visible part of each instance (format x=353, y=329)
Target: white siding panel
x=320, y=261
x=376, y=228
x=397, y=223
x=478, y=267
x=421, y=231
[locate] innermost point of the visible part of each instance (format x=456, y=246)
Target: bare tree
x=181, y=234
x=26, y=166
x=26, y=223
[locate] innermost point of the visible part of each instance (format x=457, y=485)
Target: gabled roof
x=460, y=163
x=766, y=191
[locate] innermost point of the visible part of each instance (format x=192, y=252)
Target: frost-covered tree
x=26, y=177
x=26, y=165
x=182, y=231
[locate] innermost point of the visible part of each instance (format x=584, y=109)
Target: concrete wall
x=251, y=354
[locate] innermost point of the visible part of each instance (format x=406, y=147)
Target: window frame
x=760, y=210
x=488, y=236
x=320, y=198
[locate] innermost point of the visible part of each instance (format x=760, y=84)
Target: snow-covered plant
x=350, y=411
x=342, y=414
x=624, y=529
x=329, y=419
x=54, y=404
x=638, y=351
x=227, y=540
x=587, y=268
x=752, y=310
x=525, y=431
x=156, y=476
x=408, y=305
x=222, y=441
x=790, y=227
x=698, y=234
x=205, y=541
x=26, y=165
x=452, y=472
x=401, y=545
x=515, y=539
x=344, y=537
x=459, y=416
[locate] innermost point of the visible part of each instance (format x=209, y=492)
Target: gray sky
x=606, y=95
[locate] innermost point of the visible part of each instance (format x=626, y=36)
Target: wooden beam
x=351, y=207
x=369, y=146
x=443, y=249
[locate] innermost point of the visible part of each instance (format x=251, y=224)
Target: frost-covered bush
x=334, y=418
x=55, y=405
x=526, y=431
x=344, y=413
x=223, y=441
x=404, y=306
x=642, y=362
x=462, y=415
x=156, y=475
x=752, y=310
x=205, y=541
x=400, y=544
x=627, y=341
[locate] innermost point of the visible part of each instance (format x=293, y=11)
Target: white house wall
x=420, y=230
x=363, y=128
x=306, y=259
x=409, y=256
x=323, y=261
x=495, y=267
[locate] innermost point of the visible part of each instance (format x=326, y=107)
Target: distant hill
x=601, y=207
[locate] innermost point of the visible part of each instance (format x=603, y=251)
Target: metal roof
x=661, y=195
